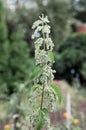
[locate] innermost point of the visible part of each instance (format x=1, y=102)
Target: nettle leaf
x=45, y=111
x=77, y=128
x=57, y=91
x=51, y=56
x=41, y=120
x=33, y=88
x=36, y=71
x=42, y=114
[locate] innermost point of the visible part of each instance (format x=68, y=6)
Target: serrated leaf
x=41, y=120
x=57, y=91
x=36, y=71
x=51, y=56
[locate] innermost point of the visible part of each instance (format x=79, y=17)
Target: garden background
x=68, y=31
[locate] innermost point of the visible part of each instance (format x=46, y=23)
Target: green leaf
x=76, y=128
x=42, y=114
x=36, y=71
x=33, y=88
x=57, y=91
x=45, y=111
x=51, y=56
x=41, y=120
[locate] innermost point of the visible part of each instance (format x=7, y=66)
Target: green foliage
x=4, y=47
x=57, y=91
x=19, y=63
x=79, y=5
x=19, y=57
x=83, y=70
x=15, y=62
x=42, y=114
x=35, y=72
x=2, y=12
x=80, y=8
x=14, y=104
x=59, y=12
x=71, y=55
x=41, y=120
x=33, y=88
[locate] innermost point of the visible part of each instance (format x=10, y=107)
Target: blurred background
x=68, y=32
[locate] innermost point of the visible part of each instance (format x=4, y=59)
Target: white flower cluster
x=42, y=20
x=49, y=43
x=42, y=57
x=47, y=75
x=42, y=45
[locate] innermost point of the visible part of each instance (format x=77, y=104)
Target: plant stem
x=42, y=99
x=42, y=96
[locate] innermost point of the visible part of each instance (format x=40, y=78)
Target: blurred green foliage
x=59, y=12
x=4, y=45
x=71, y=57
x=80, y=8
x=15, y=62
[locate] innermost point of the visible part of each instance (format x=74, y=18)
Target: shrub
x=15, y=61
x=71, y=58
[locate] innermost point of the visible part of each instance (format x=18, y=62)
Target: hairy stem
x=42, y=98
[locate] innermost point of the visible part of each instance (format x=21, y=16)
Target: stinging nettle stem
x=42, y=97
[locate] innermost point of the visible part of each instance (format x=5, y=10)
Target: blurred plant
x=43, y=95
x=19, y=62
x=83, y=70
x=15, y=62
x=80, y=8
x=71, y=58
x=79, y=5
x=4, y=47
x=16, y=108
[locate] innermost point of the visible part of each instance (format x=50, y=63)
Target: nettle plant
x=44, y=95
